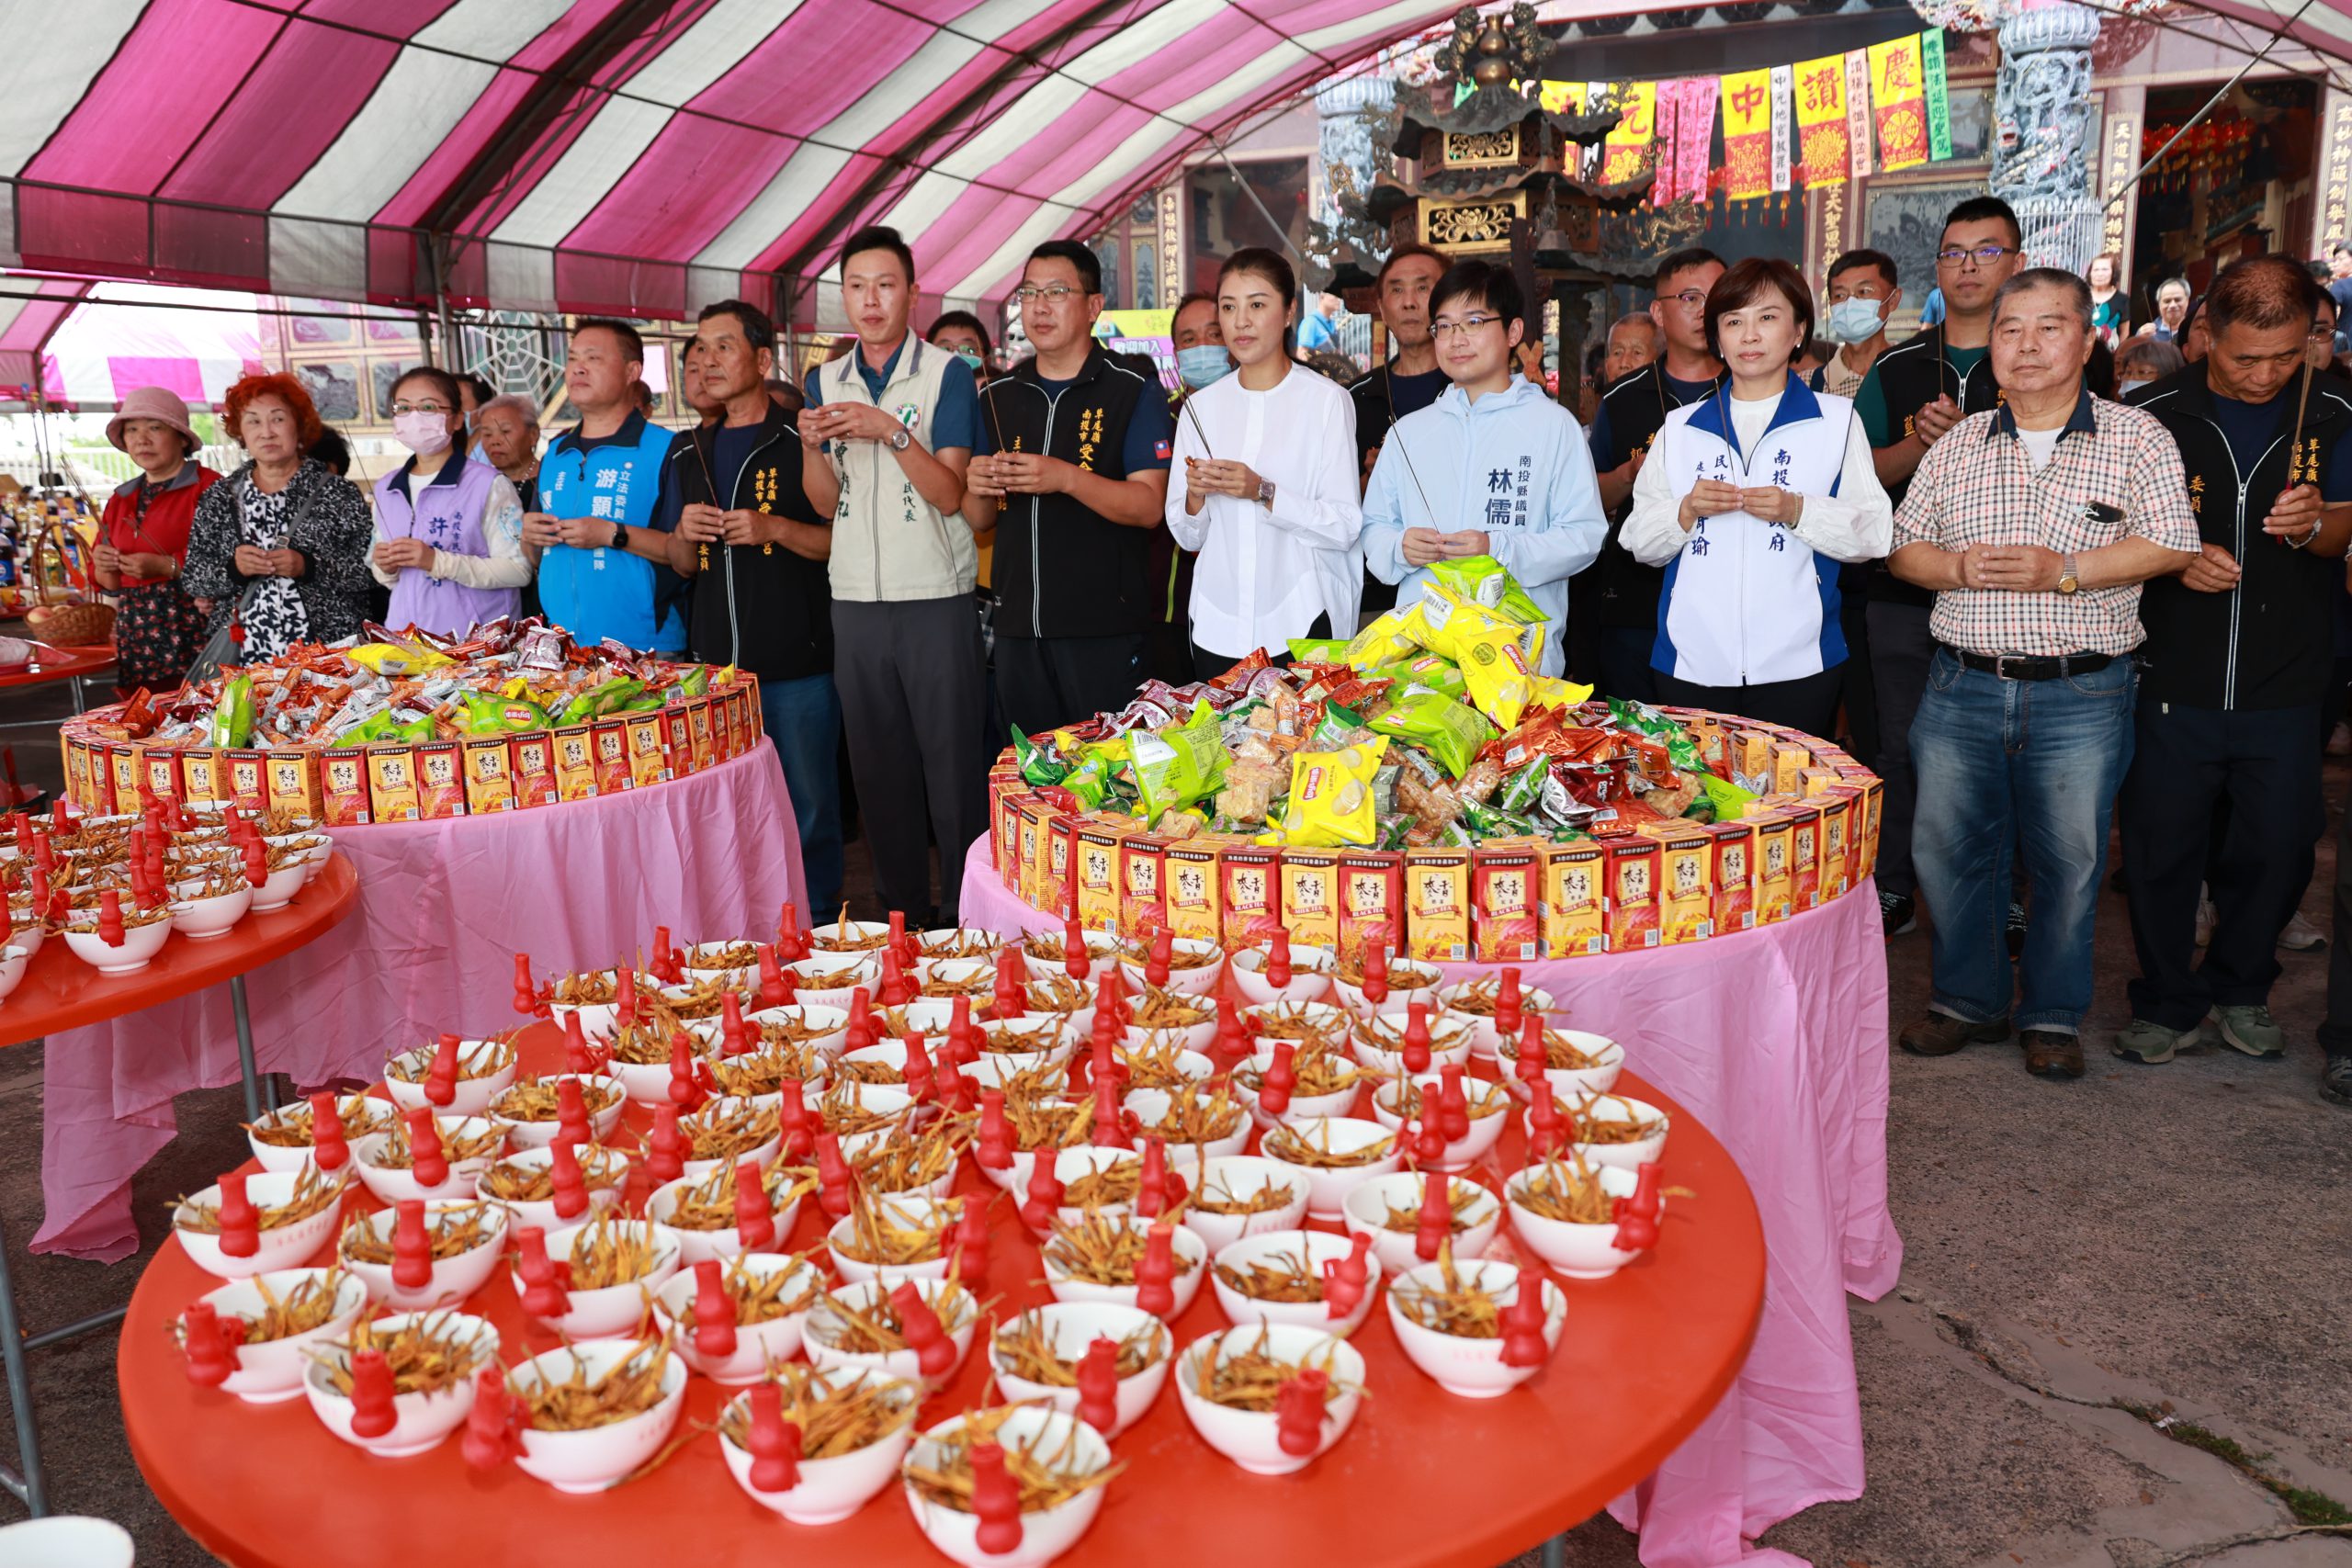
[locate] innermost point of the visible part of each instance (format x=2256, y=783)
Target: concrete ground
x=2177, y=1240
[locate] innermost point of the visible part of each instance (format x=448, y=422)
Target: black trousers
x=1208, y=666
x=2265, y=762
x=1809, y=702
x=1044, y=681
x=1859, y=689
x=1625, y=665
x=1901, y=648
x=910, y=673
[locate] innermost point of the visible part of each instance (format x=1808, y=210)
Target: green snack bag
x=1331, y=732
x=1448, y=730
x=375, y=727
x=1179, y=764
x=1484, y=581
x=233, y=717
x=487, y=712
x=1320, y=650
x=696, y=681
x=414, y=730
x=611, y=694
x=1038, y=765
x=1090, y=781
x=1730, y=801
x=1647, y=721
x=1524, y=788
x=1438, y=674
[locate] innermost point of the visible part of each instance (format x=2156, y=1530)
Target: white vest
x=1746, y=601
x=888, y=542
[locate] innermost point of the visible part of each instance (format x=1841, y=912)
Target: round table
x=1644, y=1355
x=59, y=664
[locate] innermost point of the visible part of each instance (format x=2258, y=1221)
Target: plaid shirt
x=2116, y=474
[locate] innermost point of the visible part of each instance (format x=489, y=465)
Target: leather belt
x=2032, y=667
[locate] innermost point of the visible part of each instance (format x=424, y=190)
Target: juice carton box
x=1250, y=889
x=489, y=767
x=1686, y=883
x=1143, y=883
x=1732, y=874
x=1437, y=904
x=1630, y=862
x=1098, y=876
x=1775, y=876
x=1575, y=908
x=1372, y=901
x=1507, y=900
x=342, y=786
x=575, y=762
x=391, y=783
x=440, y=781
x=534, y=769
x=1310, y=883
x=1193, y=909
x=293, y=785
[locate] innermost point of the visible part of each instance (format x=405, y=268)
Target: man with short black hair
x=752, y=551
x=1617, y=617
x=1863, y=297
x=1071, y=471
x=1409, y=383
x=603, y=562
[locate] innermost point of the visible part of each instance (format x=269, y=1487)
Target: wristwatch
x=901, y=438
x=620, y=537
x=2069, y=580
x=1266, y=494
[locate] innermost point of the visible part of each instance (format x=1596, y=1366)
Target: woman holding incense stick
x=1264, y=483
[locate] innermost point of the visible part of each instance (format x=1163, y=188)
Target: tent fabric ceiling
x=635, y=155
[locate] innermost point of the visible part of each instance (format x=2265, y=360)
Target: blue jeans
x=2030, y=763
x=804, y=719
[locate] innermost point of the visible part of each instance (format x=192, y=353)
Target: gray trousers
x=913, y=683
x=1901, y=651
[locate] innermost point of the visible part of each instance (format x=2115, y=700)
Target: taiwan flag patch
x=1161, y=449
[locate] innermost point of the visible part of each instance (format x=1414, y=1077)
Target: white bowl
x=285, y=1246
x=1579, y=1252
x=1367, y=1212
x=540, y=1213
x=1327, y=1186
x=1071, y=1166
x=1311, y=972
x=865, y=930
x=1449, y=1041
x=940, y=942
x=1069, y=1327
x=1250, y=1438
x=1485, y=1130
x=1192, y=1064
x=588, y=1461
x=908, y=1213
x=1197, y=981
x=1046, y=1533
x=609, y=1310
x=764, y=1152
x=756, y=1344
x=699, y=962
x=28, y=935
x=390, y=1185
x=1192, y=1038
x=270, y=1372
x=276, y=1156
x=201, y=919
x=1473, y=1368
x=1101, y=947
x=1485, y=1041
x=419, y=1420
x=833, y=1020
x=727, y=1241
x=1633, y=1155
x=1241, y=1174
x=819, y=1332
x=926, y=1016
x=958, y=972
x=540, y=1135
x=1408, y=981
x=1302, y=1106
x=842, y=976
x=278, y=888
x=1319, y=1247
x=139, y=945
x=1572, y=1084
x=829, y=1489
x=1151, y=1104
x=454, y=1278
x=1189, y=1247
x=469, y=1097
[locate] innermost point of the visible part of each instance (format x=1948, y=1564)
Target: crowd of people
x=2030, y=604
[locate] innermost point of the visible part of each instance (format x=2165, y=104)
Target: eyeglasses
x=1690, y=298
x=1462, y=328
x=404, y=406
x=1983, y=255
x=1052, y=294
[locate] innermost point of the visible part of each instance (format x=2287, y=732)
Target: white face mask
x=1855, y=320
x=2125, y=389
x=423, y=434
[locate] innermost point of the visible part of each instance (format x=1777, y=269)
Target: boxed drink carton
x=342, y=786
x=1143, y=883
x=1372, y=901
x=677, y=741
x=1506, y=901
x=489, y=768
x=200, y=775
x=294, y=784
x=533, y=770
x=440, y=781
x=575, y=762
x=1775, y=876
x=698, y=732
x=1686, y=883
x=1841, y=806
x=1630, y=874
x=1097, y=879
x=1575, y=911
x=1790, y=759
x=391, y=783
x=1020, y=871
x=1751, y=761
x=1058, y=873
x=244, y=774
x=1310, y=883
x=612, y=756
x=162, y=765
x=648, y=759
x=1732, y=874
x=1249, y=887
x=1437, y=904
x=1804, y=854
x=1190, y=876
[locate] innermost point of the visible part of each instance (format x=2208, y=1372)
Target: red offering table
x=1422, y=1480
x=67, y=664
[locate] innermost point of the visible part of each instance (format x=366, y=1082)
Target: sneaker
x=1899, y=911
x=2205, y=917
x=2053, y=1056
x=2016, y=929
x=2149, y=1042
x=2335, y=1081
x=2339, y=741
x=2250, y=1030
x=2300, y=936
x=1940, y=1034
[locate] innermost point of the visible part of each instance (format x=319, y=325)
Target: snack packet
x=1446, y=730
x=1331, y=800
x=1318, y=650
x=1176, y=765
x=1388, y=640
x=1429, y=670
x=1485, y=582
x=486, y=714
x=396, y=658
x=232, y=718
x=1500, y=681
x=1039, y=765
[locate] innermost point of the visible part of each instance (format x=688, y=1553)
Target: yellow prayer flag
x=1563, y=98
x=1898, y=105
x=1748, y=135
x=1626, y=147
x=1820, y=119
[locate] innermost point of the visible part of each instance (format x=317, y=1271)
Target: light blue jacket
x=1515, y=463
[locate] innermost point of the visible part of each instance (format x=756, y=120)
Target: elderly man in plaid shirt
x=2035, y=523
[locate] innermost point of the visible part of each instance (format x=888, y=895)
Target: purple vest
x=447, y=517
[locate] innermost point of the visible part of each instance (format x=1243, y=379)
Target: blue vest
x=601, y=594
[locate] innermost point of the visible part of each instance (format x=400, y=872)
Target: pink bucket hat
x=149, y=402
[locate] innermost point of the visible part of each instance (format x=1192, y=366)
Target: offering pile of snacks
x=1418, y=781
x=407, y=725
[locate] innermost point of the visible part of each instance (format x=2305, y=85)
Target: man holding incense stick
x=2239, y=653
x=1406, y=384
x=1072, y=473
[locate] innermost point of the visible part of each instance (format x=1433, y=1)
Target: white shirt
x=2041, y=444
x=1263, y=575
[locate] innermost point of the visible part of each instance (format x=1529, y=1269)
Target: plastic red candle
x=665, y=1150
x=110, y=917
x=1298, y=1412
x=577, y=1060
x=143, y=890
x=411, y=1246
x=21, y=824
x=1345, y=1280
x=431, y=1161
x=714, y=1312
x=571, y=1183
x=1109, y=1131
x=625, y=995
x=1437, y=1217
x=154, y=856
x=1163, y=949
x=859, y=1033
x=1074, y=958
x=1098, y=1385
x=211, y=1355
x=1507, y=1001
x=1523, y=1324
x=1232, y=1038
x=900, y=943
x=240, y=1221
x=1156, y=1272
x=1111, y=991
x=1278, y=959
x=791, y=942
x=666, y=957
x=1417, y=1037
x=371, y=1395
x=1544, y=1122
x=754, y=1215
x=896, y=992
x=44, y=855
x=972, y=1243
x=771, y=977
x=963, y=1034
x=1151, y=1195
x=995, y=1501
x=1637, y=1216
x=544, y=1296
x=1424, y=1142
x=994, y=1149
x=1011, y=973
x=1275, y=1085
x=151, y=814
x=799, y=1138
x=329, y=1151
x=832, y=1175
x=1046, y=1191
x=1453, y=1103
x=774, y=1442
x=488, y=1441
x=441, y=1080
x=257, y=861
x=919, y=1082
x=571, y=1123
x=785, y=992
x=1376, y=967
x=1532, y=1052
x=732, y=1033
x=683, y=1092
x=920, y=1328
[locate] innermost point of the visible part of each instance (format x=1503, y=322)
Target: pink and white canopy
x=634, y=156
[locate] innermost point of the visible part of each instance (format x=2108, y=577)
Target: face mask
x=2125, y=389
x=1202, y=365
x=970, y=356
x=1855, y=320
x=423, y=434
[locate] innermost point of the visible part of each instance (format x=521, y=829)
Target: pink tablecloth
x=444, y=908
x=1777, y=1040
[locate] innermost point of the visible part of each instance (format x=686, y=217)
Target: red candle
x=734, y=1036
x=1437, y=1217
x=994, y=1149
x=212, y=1352
x=714, y=1312
x=1156, y=967
x=544, y=1296
x=1279, y=1080
x=791, y=942
x=411, y=1246
x=1278, y=959
x=329, y=1150
x=431, y=1162
x=1298, y=1412
x=774, y=1442
x=920, y=1328
x=1074, y=957
x=1523, y=1324
x=1453, y=1103
x=771, y=977
x=793, y=1116
x=832, y=1175
x=240, y=1221
x=1156, y=1272
x=665, y=1150
x=441, y=1078
x=489, y=1440
x=577, y=1060
x=896, y=991
x=754, y=1215
x=1098, y=1385
x=1417, y=1037
x=995, y=1501
x=1011, y=975
x=1375, y=968
x=1507, y=1001
x=1046, y=1191
x=371, y=1395
x=920, y=1081
x=571, y=1123
x=972, y=1243
x=570, y=1182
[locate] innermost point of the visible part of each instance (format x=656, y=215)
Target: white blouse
x=1264, y=574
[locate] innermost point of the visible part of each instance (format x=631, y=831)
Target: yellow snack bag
x=392, y=658
x=1551, y=692
x=1384, y=641
x=1331, y=796
x=1501, y=682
